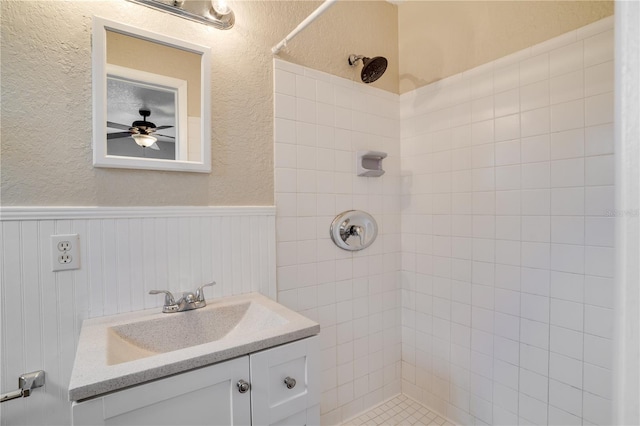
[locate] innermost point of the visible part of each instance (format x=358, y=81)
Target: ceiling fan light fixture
x=144, y=141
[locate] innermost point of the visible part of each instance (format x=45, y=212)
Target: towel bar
x=26, y=382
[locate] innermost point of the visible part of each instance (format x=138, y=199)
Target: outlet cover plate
x=65, y=252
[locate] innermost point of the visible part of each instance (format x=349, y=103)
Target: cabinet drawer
x=271, y=399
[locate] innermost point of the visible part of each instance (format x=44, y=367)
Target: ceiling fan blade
x=163, y=127
x=164, y=136
x=117, y=125
x=155, y=147
x=118, y=135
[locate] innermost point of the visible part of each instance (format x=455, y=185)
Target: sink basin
x=172, y=332
x=123, y=350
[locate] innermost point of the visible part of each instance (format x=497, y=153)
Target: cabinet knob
x=243, y=386
x=290, y=382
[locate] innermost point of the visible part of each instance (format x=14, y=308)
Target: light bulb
x=220, y=7
x=144, y=141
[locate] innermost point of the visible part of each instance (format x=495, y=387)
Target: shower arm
x=353, y=59
x=302, y=25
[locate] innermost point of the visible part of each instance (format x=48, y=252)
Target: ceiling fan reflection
x=142, y=131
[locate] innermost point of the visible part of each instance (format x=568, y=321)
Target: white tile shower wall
x=507, y=239
x=320, y=122
x=124, y=253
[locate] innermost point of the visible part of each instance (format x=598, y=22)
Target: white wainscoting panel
x=124, y=253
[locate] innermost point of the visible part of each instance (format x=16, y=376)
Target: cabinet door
x=206, y=396
x=272, y=402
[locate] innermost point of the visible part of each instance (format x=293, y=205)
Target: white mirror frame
x=99, y=76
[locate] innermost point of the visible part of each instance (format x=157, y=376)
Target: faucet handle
x=200, y=291
x=168, y=297
x=189, y=297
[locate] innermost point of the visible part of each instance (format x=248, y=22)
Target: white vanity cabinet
x=211, y=395
x=207, y=395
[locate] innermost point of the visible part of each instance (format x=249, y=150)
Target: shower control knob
x=243, y=386
x=290, y=382
x=353, y=230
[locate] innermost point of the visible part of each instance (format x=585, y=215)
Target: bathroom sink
x=172, y=332
x=123, y=350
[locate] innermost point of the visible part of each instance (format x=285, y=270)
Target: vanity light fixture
x=215, y=13
x=219, y=9
x=144, y=141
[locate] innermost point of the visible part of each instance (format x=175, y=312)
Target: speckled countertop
x=263, y=324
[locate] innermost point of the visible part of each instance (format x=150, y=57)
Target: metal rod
x=11, y=395
x=314, y=15
x=26, y=383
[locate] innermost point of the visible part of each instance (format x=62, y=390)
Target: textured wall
x=46, y=94
x=441, y=38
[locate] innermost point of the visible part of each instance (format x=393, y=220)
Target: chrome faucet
x=187, y=302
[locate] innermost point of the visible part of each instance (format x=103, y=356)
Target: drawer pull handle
x=243, y=386
x=290, y=382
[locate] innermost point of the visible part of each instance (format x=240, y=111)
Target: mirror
x=151, y=103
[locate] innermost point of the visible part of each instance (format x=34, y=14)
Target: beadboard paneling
x=123, y=255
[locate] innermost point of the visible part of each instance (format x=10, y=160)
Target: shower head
x=372, y=68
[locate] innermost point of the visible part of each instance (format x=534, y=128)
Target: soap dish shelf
x=369, y=163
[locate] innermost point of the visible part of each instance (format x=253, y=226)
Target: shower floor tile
x=398, y=411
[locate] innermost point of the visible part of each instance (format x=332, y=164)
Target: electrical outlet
x=65, y=252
